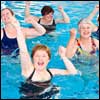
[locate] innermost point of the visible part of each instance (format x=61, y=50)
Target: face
x=6, y=16
x=49, y=16
x=85, y=30
x=40, y=59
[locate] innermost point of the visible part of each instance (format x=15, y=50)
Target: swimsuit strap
x=93, y=43
x=78, y=43
x=93, y=46
x=54, y=22
x=50, y=73
x=30, y=77
x=4, y=33
x=39, y=20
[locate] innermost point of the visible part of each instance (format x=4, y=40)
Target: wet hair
x=9, y=10
x=41, y=47
x=46, y=10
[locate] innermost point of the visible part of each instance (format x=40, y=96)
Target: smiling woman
x=37, y=72
x=85, y=44
x=47, y=20
x=8, y=33
x=59, y=87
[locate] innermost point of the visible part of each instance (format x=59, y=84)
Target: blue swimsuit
x=8, y=45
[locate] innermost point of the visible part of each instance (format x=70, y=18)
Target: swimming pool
x=71, y=87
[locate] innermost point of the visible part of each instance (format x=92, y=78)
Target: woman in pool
x=9, y=35
x=47, y=20
x=90, y=17
x=85, y=45
x=37, y=75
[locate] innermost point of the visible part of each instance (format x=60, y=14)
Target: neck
x=41, y=70
x=85, y=40
x=46, y=20
x=9, y=26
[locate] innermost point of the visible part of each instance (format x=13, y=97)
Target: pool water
x=85, y=86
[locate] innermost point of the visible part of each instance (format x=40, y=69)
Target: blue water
x=71, y=87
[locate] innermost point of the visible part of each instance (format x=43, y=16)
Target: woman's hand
x=27, y=3
x=60, y=8
x=62, y=51
x=97, y=8
x=73, y=32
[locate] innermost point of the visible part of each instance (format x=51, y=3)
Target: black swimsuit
x=34, y=90
x=8, y=45
x=49, y=28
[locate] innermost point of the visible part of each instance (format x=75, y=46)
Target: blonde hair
x=41, y=47
x=84, y=21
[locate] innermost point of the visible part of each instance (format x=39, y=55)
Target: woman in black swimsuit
x=37, y=76
x=47, y=20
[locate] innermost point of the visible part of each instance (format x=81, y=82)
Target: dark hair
x=46, y=10
x=9, y=10
x=41, y=47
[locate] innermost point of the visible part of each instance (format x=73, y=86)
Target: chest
x=41, y=77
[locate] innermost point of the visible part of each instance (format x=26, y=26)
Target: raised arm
x=27, y=8
x=71, y=48
x=65, y=19
x=93, y=13
x=70, y=68
x=38, y=29
x=27, y=11
x=26, y=63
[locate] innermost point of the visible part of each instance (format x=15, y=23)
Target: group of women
x=34, y=68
